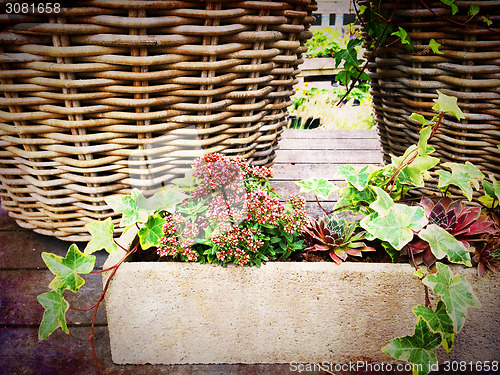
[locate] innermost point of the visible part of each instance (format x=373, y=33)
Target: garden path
x=23, y=275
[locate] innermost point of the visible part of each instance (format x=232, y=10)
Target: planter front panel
x=282, y=312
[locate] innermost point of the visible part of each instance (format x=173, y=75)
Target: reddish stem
x=319, y=204
x=427, y=299
x=101, y=297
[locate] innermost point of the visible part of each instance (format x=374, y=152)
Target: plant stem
x=427, y=299
x=319, y=204
x=101, y=297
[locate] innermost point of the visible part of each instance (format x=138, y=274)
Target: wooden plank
x=299, y=171
x=22, y=249
x=329, y=134
x=329, y=144
x=20, y=306
x=328, y=157
x=22, y=353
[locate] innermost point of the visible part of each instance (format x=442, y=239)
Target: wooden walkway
x=23, y=275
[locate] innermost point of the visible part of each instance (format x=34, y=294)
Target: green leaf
x=163, y=200
x=448, y=104
x=321, y=187
x=439, y=321
x=67, y=269
x=349, y=54
x=393, y=253
x=396, y=223
x=383, y=203
x=127, y=205
x=102, y=237
x=454, y=8
x=358, y=179
x=417, y=349
x=444, y=244
x=487, y=20
x=473, y=10
x=403, y=35
x=362, y=9
x=462, y=175
x=492, y=192
x=151, y=232
x=455, y=292
x=54, y=315
x=419, y=118
x=418, y=273
x=435, y=47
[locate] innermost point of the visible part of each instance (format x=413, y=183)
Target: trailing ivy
x=445, y=229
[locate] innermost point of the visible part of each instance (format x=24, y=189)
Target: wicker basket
x=113, y=94
x=469, y=69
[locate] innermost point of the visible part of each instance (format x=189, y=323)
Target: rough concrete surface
x=283, y=312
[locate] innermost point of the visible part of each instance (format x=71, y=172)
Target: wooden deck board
x=303, y=154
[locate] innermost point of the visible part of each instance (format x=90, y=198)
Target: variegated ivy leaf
x=67, y=269
x=357, y=178
x=151, y=232
x=492, y=192
x=462, y=175
x=419, y=118
x=435, y=47
x=439, y=321
x=54, y=316
x=455, y=292
x=417, y=349
x=163, y=200
x=393, y=223
x=487, y=20
x=102, y=237
x=415, y=172
x=448, y=104
x=319, y=186
x=443, y=244
x=127, y=205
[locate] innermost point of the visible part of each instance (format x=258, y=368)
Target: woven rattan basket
x=469, y=69
x=108, y=95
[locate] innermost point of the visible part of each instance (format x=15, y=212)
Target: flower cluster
x=237, y=244
x=264, y=209
x=233, y=215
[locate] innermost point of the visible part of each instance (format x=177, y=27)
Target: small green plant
x=444, y=228
x=322, y=104
x=335, y=236
x=376, y=18
x=324, y=42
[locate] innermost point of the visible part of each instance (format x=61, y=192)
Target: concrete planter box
x=283, y=312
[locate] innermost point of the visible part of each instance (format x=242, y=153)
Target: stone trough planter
x=283, y=312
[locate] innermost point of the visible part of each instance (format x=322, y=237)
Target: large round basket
x=468, y=68
x=108, y=95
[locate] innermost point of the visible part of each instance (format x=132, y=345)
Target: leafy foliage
x=487, y=255
x=455, y=292
x=417, y=349
x=54, y=315
x=319, y=186
x=439, y=321
x=102, y=237
x=67, y=269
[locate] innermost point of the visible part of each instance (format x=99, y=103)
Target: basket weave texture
x=113, y=94
x=468, y=68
